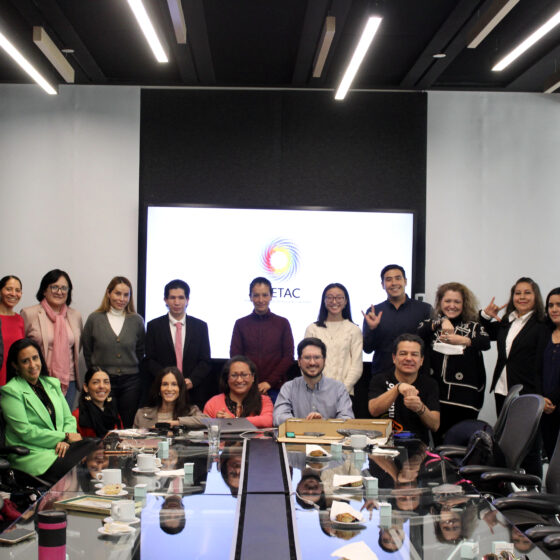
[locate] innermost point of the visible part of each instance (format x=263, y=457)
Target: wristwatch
x=67, y=437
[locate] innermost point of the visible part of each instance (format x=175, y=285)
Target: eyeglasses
x=338, y=299
x=317, y=358
x=55, y=289
x=242, y=376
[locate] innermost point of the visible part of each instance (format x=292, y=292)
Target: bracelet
x=422, y=411
x=67, y=437
x=397, y=386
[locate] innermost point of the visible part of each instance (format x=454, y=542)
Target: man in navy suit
x=177, y=339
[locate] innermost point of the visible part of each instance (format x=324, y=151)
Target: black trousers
x=76, y=452
x=126, y=391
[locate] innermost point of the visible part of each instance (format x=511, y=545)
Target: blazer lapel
x=35, y=402
x=188, y=335
x=523, y=333
x=166, y=332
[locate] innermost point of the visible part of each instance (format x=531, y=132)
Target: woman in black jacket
x=521, y=336
x=455, y=341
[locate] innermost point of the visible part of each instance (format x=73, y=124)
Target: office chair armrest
x=507, y=475
x=477, y=470
x=536, y=496
x=451, y=450
x=15, y=449
x=530, y=504
x=539, y=533
x=552, y=542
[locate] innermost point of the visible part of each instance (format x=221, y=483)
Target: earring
x=109, y=399
x=87, y=397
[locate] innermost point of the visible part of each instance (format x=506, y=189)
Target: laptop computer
x=230, y=425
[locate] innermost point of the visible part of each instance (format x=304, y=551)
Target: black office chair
x=546, y=504
x=457, y=452
x=520, y=429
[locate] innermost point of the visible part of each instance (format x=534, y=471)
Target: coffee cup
x=109, y=476
x=358, y=441
x=149, y=484
x=147, y=462
x=123, y=510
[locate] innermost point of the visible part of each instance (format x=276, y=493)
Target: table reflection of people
x=92, y=464
x=391, y=539
x=456, y=518
x=230, y=465
x=310, y=492
x=172, y=518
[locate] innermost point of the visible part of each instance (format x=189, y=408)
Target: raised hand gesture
x=492, y=310
x=372, y=320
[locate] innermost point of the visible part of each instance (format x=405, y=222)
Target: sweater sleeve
x=356, y=363
x=264, y=419
x=276, y=375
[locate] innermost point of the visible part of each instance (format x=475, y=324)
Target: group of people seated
x=427, y=371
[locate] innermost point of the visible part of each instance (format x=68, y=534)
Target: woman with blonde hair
x=113, y=339
x=455, y=341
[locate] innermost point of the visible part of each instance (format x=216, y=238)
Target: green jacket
x=29, y=424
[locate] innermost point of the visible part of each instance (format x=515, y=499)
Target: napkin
x=342, y=507
x=355, y=551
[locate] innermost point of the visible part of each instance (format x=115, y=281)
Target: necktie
x=179, y=346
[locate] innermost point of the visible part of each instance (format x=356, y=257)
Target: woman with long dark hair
x=455, y=341
x=114, y=341
x=37, y=416
x=550, y=421
x=521, y=336
x=240, y=396
x=57, y=328
x=168, y=401
x=96, y=414
x=13, y=327
x=341, y=336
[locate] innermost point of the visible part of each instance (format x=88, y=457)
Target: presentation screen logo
x=280, y=259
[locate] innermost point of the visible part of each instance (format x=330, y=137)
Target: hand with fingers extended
x=492, y=310
x=372, y=320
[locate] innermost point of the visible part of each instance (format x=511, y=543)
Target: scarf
x=60, y=356
x=100, y=421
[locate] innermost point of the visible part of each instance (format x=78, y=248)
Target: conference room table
x=253, y=498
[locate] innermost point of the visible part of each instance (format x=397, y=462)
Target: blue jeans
x=71, y=395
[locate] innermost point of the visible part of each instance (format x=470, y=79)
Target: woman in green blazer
x=37, y=415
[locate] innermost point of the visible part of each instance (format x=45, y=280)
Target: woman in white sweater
x=341, y=336
x=113, y=339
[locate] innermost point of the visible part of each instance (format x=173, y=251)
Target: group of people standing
x=166, y=366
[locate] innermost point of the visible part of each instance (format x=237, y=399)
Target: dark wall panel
x=263, y=149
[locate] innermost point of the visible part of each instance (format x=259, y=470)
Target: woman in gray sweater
x=113, y=339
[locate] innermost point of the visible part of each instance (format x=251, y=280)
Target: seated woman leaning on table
x=168, y=401
x=240, y=396
x=96, y=414
x=37, y=416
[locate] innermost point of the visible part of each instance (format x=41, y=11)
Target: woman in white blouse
x=113, y=339
x=341, y=336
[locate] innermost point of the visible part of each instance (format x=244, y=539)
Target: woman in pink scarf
x=57, y=328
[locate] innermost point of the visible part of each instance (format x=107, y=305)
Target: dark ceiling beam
x=450, y=38
x=526, y=80
x=315, y=14
x=197, y=38
x=180, y=53
x=51, y=17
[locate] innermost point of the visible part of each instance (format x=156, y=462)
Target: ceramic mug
x=147, y=462
x=109, y=476
x=358, y=441
x=123, y=510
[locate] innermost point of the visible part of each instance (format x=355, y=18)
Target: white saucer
x=148, y=471
x=102, y=493
x=102, y=531
x=134, y=521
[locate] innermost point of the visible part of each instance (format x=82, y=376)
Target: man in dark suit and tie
x=177, y=339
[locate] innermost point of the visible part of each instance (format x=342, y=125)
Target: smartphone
x=15, y=536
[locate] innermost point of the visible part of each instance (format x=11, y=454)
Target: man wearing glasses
x=312, y=396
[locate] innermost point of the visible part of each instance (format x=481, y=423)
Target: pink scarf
x=60, y=357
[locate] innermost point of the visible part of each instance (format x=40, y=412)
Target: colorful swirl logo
x=280, y=259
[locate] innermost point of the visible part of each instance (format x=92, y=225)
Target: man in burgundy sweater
x=265, y=338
